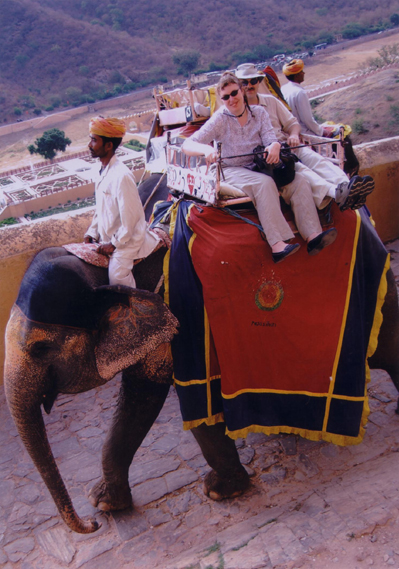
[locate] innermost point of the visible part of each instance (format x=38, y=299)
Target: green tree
x=73, y=95
x=50, y=143
x=186, y=61
x=353, y=30
x=394, y=19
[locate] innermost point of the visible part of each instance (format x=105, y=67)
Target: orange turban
x=109, y=127
x=293, y=67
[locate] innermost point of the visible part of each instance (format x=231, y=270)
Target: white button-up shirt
x=119, y=216
x=280, y=117
x=296, y=97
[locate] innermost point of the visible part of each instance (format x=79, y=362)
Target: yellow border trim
x=373, y=341
x=206, y=332
x=195, y=381
x=340, y=440
x=172, y=225
x=281, y=391
x=343, y=324
x=219, y=418
x=382, y=291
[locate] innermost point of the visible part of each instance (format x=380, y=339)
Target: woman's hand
x=272, y=153
x=211, y=156
x=293, y=140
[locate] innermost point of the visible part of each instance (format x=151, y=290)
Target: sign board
x=189, y=175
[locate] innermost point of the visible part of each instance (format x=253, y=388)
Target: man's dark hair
x=115, y=141
x=291, y=77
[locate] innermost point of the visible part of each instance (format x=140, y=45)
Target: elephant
x=66, y=317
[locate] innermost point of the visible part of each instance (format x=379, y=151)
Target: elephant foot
x=108, y=499
x=218, y=488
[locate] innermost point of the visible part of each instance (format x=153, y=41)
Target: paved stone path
x=310, y=504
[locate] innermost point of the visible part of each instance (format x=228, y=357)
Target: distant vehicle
x=320, y=46
x=279, y=57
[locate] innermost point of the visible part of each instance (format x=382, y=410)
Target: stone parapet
x=380, y=159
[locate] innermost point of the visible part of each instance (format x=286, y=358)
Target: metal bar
x=291, y=148
x=154, y=190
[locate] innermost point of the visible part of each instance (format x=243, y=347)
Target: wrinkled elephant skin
x=81, y=342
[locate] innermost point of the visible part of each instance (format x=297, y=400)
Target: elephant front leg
x=228, y=478
x=139, y=404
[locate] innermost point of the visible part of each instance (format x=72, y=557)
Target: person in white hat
x=240, y=128
x=326, y=179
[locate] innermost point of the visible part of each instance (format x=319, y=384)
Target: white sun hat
x=248, y=71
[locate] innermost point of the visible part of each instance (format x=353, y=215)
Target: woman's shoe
x=286, y=252
x=323, y=240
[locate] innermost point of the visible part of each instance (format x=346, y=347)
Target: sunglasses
x=232, y=94
x=253, y=81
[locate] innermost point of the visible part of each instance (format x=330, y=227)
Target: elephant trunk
x=29, y=422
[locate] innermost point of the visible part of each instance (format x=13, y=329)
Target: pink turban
x=293, y=67
x=109, y=127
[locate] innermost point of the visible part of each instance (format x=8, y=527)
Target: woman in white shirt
x=240, y=128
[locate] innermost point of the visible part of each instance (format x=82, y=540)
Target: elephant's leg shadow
x=228, y=478
x=139, y=404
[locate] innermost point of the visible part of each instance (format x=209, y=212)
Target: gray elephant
x=70, y=332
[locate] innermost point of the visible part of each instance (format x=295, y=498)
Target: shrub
x=394, y=110
x=186, y=61
x=135, y=145
x=359, y=127
x=394, y=19
x=8, y=221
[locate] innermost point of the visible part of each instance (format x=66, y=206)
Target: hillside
x=58, y=53
x=370, y=107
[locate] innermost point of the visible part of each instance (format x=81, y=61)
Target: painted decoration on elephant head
x=269, y=296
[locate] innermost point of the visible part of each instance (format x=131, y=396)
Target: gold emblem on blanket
x=269, y=295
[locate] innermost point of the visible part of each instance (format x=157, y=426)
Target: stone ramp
x=311, y=504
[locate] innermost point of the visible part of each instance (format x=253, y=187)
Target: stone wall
x=380, y=159
x=18, y=244
x=73, y=193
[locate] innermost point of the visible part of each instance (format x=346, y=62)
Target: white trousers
x=120, y=269
x=321, y=174
x=264, y=194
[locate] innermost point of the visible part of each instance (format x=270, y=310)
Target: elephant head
x=68, y=333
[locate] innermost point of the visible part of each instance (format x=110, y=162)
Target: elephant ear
x=129, y=331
